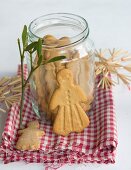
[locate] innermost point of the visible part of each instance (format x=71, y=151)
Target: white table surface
x=110, y=25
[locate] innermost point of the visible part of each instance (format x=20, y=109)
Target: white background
x=110, y=25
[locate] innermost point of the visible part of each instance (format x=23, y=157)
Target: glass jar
x=64, y=35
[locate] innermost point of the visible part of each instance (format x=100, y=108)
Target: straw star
x=10, y=92
x=113, y=62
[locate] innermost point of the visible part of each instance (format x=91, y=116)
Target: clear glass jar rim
x=84, y=32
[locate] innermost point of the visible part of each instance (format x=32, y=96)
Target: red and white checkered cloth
x=97, y=143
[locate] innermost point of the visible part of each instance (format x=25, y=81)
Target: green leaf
x=39, y=60
x=31, y=46
x=55, y=59
x=25, y=36
x=39, y=47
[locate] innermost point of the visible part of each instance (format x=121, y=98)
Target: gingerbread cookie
x=70, y=116
x=30, y=137
x=51, y=69
x=45, y=77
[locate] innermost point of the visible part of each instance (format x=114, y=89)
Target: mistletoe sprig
x=32, y=48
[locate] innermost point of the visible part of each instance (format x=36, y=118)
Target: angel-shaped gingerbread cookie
x=70, y=116
x=30, y=137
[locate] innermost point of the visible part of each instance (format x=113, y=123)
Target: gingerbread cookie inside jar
x=66, y=85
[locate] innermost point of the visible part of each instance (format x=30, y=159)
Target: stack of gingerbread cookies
x=64, y=88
